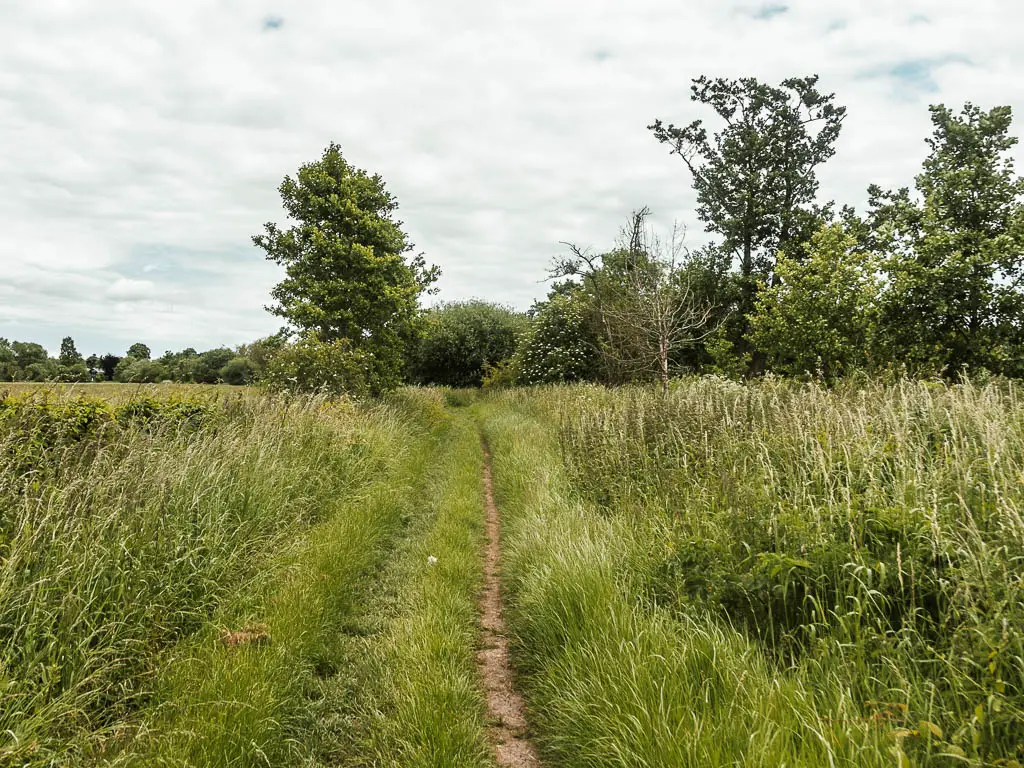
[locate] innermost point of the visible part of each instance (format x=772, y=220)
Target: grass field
x=763, y=574
x=118, y=392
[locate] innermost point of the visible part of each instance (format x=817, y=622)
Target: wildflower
x=431, y=560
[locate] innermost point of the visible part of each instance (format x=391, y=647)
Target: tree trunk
x=663, y=345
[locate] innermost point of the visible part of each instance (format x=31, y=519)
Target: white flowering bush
x=558, y=346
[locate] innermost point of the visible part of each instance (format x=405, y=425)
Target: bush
x=559, y=346
x=137, y=371
x=238, y=370
x=461, y=340
x=312, y=365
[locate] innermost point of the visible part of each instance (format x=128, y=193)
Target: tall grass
x=429, y=708
x=849, y=560
x=123, y=539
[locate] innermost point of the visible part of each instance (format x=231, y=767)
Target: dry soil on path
x=505, y=708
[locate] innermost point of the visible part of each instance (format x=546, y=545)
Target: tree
x=955, y=254
x=207, y=366
x=139, y=351
x=646, y=299
x=238, y=371
x=72, y=364
x=128, y=369
x=755, y=178
x=92, y=365
x=8, y=361
x=313, y=365
x=32, y=361
x=822, y=314
x=462, y=340
x=137, y=371
x=108, y=366
x=347, y=275
x=46, y=370
x=260, y=352
x=68, y=353
x=180, y=365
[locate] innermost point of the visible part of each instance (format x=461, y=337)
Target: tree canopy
x=347, y=274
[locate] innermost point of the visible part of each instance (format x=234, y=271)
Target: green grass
x=767, y=574
x=117, y=392
x=249, y=705
x=733, y=574
x=416, y=698
x=612, y=680
x=127, y=551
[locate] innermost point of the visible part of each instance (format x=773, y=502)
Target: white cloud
x=143, y=143
x=127, y=290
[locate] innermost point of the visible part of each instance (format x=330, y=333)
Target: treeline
x=926, y=282
x=28, y=361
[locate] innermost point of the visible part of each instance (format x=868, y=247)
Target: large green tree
x=139, y=351
x=955, y=250
x=348, y=273
x=820, y=317
x=755, y=178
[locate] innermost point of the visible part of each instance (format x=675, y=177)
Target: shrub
x=238, y=370
x=461, y=340
x=559, y=346
x=312, y=365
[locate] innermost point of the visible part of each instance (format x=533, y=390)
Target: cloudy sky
x=142, y=143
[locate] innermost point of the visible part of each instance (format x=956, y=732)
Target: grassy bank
x=767, y=574
x=414, y=697
x=132, y=545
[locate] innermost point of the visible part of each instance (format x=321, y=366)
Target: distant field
x=117, y=392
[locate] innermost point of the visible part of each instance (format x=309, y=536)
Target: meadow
x=770, y=573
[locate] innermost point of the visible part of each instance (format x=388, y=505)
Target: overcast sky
x=142, y=143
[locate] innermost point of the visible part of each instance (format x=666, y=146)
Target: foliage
x=462, y=340
x=139, y=351
x=72, y=364
x=863, y=541
x=559, y=345
x=347, y=279
x=108, y=366
x=955, y=256
x=755, y=178
x=259, y=352
x=137, y=371
x=312, y=365
x=648, y=300
x=501, y=376
x=821, y=316
x=207, y=368
x=238, y=371
x=141, y=530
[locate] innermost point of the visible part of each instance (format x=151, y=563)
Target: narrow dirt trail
x=505, y=708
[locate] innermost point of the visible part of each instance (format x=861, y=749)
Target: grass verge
x=415, y=696
x=613, y=679
x=130, y=547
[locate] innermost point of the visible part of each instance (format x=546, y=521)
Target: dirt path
x=505, y=708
